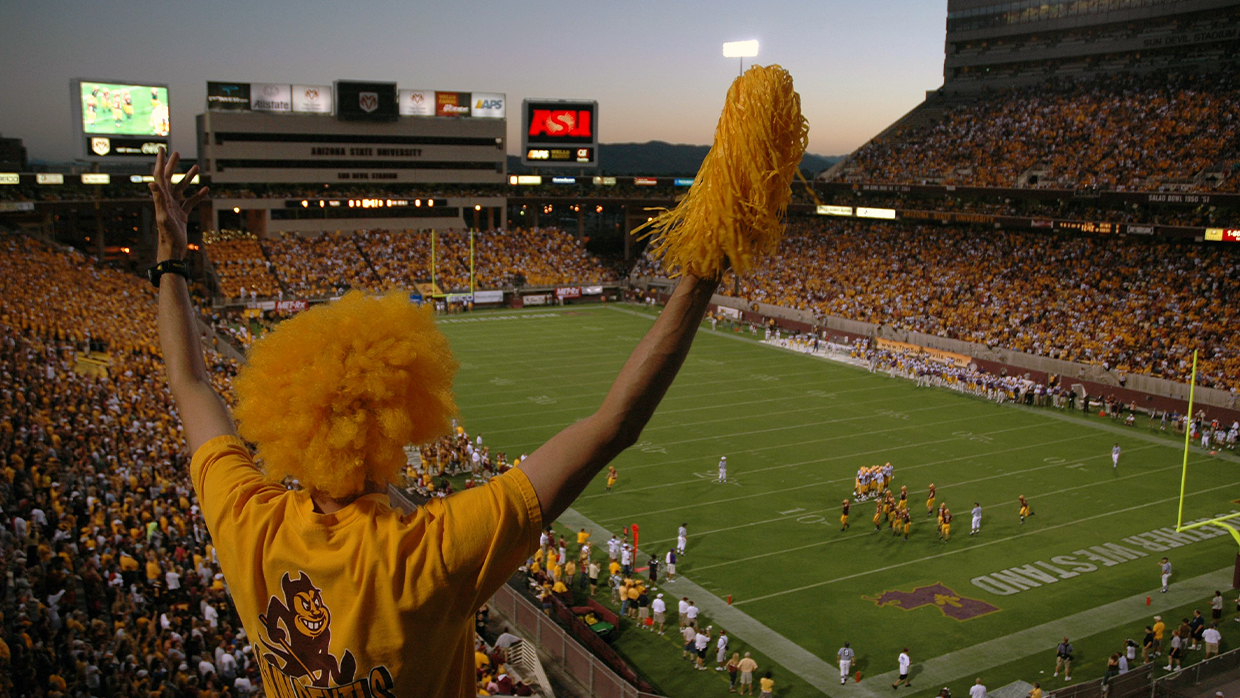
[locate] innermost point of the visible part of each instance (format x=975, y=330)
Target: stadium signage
x=452, y=104
x=540, y=299
x=563, y=180
x=883, y=213
x=14, y=206
x=558, y=132
x=291, y=306
x=591, y=290
x=10, y=178
x=417, y=103
x=487, y=105
x=269, y=97
x=645, y=181
x=312, y=99
x=228, y=96
x=1014, y=580
x=1223, y=234
x=49, y=178
x=366, y=101
x=682, y=182
x=488, y=296
x=1139, y=229
x=95, y=178
x=835, y=210
x=568, y=292
x=604, y=181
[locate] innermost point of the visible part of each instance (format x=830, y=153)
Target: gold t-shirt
x=379, y=604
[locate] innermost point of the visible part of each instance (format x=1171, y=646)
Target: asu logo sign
x=561, y=123
x=948, y=602
x=368, y=101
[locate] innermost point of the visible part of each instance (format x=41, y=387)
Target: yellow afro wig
x=734, y=210
x=334, y=394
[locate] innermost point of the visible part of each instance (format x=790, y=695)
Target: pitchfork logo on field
x=948, y=602
x=368, y=101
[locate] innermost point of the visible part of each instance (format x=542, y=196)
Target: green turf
x=795, y=429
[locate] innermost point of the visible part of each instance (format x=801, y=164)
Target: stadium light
x=741, y=50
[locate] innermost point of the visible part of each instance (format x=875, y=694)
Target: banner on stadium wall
x=568, y=292
x=540, y=299
x=724, y=310
x=451, y=104
x=268, y=97
x=460, y=298
x=261, y=305
x=591, y=290
x=487, y=105
x=417, y=102
x=943, y=357
x=13, y=206
x=488, y=296
x=312, y=99
x=292, y=306
x=228, y=96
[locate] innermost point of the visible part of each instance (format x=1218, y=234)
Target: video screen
x=129, y=110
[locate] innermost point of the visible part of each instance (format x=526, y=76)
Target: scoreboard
x=559, y=133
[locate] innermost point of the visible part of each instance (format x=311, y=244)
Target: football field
x=795, y=429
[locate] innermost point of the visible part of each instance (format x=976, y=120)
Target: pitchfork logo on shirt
x=296, y=649
x=368, y=101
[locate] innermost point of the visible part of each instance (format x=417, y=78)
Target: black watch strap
x=168, y=266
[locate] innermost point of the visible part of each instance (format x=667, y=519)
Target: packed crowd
x=1121, y=132
x=382, y=260
x=1129, y=306
x=242, y=269
x=110, y=584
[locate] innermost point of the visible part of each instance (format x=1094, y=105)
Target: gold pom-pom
x=334, y=394
x=734, y=210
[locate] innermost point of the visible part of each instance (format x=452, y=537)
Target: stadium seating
x=1127, y=305
x=1143, y=132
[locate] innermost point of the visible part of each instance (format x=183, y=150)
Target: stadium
x=881, y=469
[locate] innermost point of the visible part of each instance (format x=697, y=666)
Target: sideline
x=1041, y=639
x=796, y=659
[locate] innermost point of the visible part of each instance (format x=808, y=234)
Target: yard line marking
x=712, y=406
x=980, y=545
x=785, y=517
x=862, y=535
x=840, y=457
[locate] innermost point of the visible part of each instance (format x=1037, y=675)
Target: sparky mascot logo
x=948, y=602
x=298, y=637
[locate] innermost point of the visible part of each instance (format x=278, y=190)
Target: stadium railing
x=1182, y=684
x=1133, y=684
x=564, y=649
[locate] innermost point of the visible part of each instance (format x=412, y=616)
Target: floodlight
x=740, y=49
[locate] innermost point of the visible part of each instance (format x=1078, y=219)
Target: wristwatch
x=168, y=266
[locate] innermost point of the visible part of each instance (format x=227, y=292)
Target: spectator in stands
x=236, y=502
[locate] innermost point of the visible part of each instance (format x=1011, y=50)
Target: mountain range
x=658, y=159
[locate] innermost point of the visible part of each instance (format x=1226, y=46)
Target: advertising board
x=271, y=97
x=366, y=101
x=559, y=133
x=228, y=96
x=488, y=296
x=417, y=102
x=312, y=99
x=487, y=105
x=452, y=104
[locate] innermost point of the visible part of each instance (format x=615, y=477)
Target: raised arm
x=204, y=415
x=561, y=468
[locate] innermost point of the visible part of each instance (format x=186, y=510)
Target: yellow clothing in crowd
x=363, y=598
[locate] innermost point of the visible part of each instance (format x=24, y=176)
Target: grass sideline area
x=795, y=429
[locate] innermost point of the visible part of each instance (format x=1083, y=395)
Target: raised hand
x=172, y=206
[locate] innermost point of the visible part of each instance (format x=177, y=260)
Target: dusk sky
x=656, y=68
